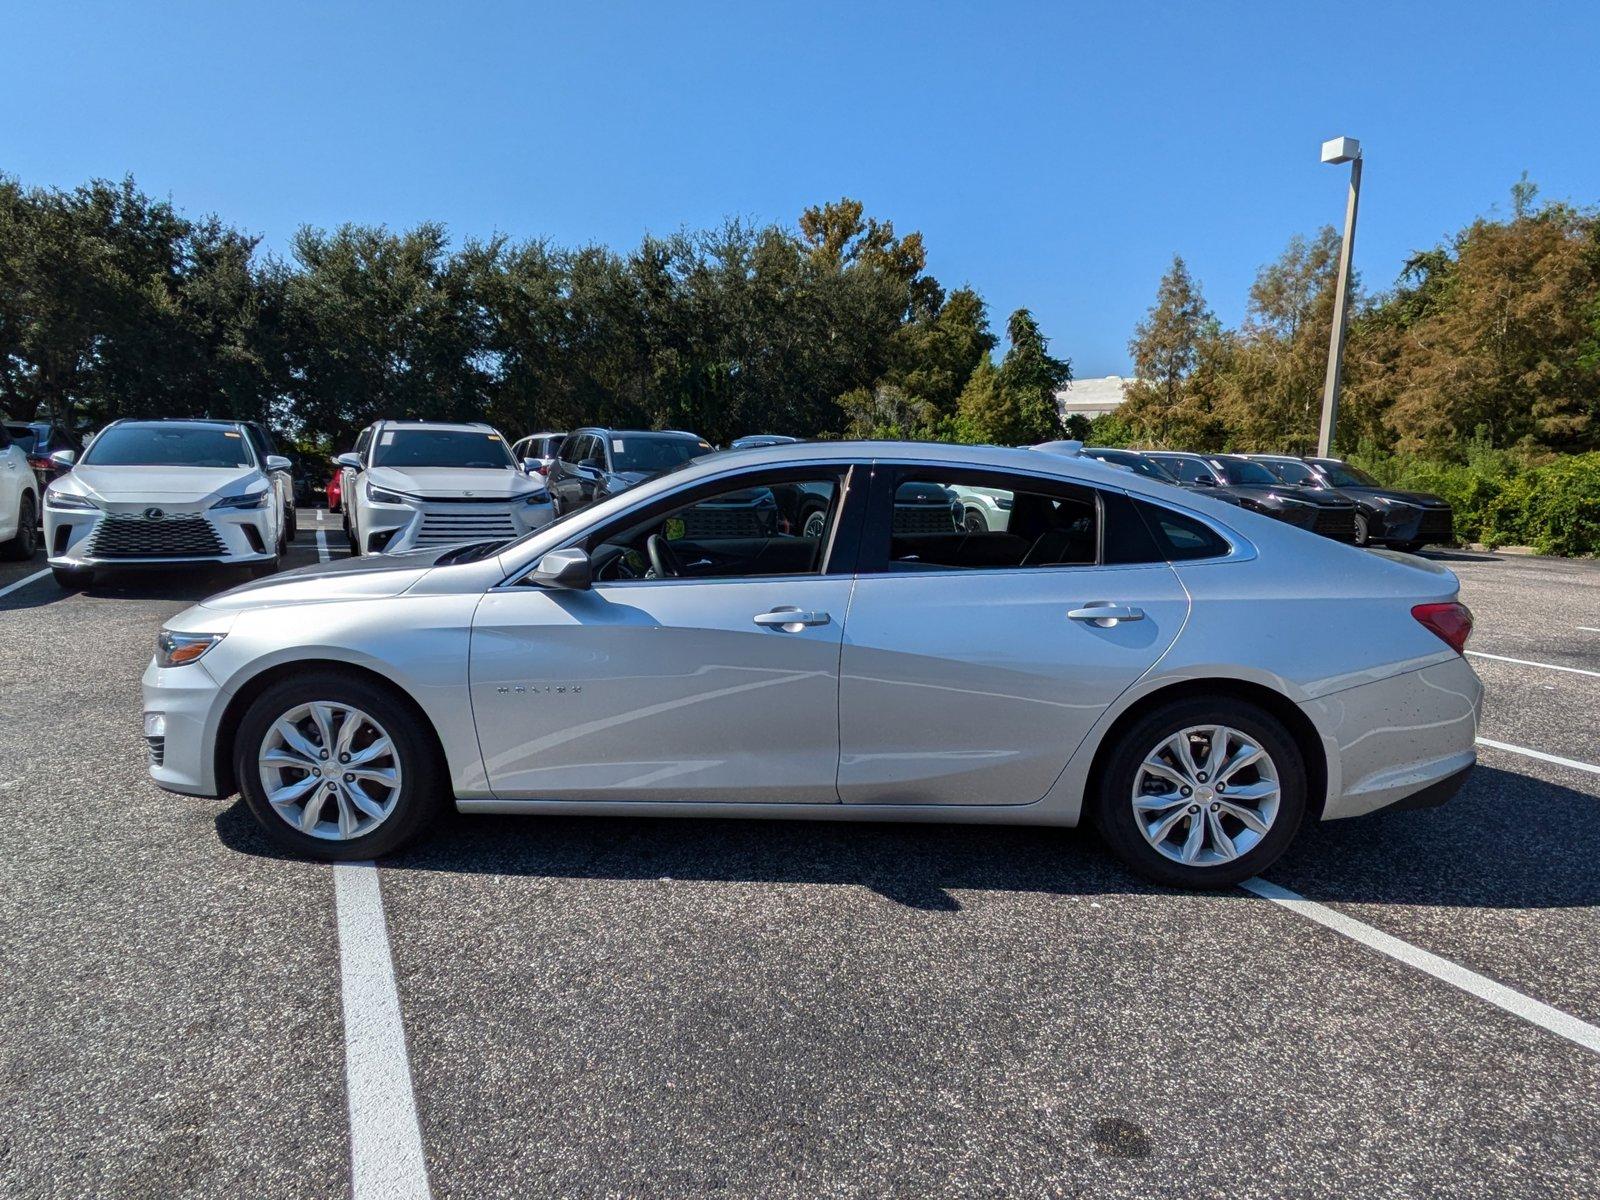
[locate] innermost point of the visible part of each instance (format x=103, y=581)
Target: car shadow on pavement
x=1506, y=841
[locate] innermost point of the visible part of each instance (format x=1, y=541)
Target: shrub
x=1555, y=508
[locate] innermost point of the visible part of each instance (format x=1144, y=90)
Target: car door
x=717, y=681
x=15, y=475
x=974, y=663
x=566, y=484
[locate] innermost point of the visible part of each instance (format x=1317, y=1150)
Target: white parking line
x=23, y=582
x=322, y=545
x=1512, y=1001
x=1573, y=763
x=386, y=1159
x=1589, y=629
x=1528, y=662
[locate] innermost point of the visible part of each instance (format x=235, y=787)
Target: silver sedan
x=1194, y=679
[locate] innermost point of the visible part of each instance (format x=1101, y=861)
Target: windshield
x=1294, y=473
x=1238, y=471
x=1341, y=475
x=650, y=453
x=1137, y=463
x=169, y=446
x=441, y=448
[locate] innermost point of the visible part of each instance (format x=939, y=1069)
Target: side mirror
x=353, y=461
x=591, y=468
x=568, y=569
x=1205, y=481
x=532, y=466
x=63, y=459
x=277, y=462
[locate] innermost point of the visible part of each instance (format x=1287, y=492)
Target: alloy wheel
x=330, y=770
x=1206, y=795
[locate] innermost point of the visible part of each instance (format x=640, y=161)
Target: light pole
x=1339, y=150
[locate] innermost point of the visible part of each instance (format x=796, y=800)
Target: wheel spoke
x=1154, y=766
x=1247, y=817
x=387, y=776
x=347, y=814
x=322, y=717
x=296, y=741
x=1181, y=750
x=365, y=802
x=286, y=756
x=1192, y=843
x=291, y=792
x=348, y=728
x=1220, y=841
x=310, y=814
x=1246, y=756
x=1263, y=789
x=1158, y=802
x=1216, y=750
x=1158, y=831
x=380, y=748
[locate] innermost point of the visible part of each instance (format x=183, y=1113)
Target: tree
x=1015, y=404
x=1178, y=350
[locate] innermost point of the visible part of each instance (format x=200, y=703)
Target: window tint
x=441, y=448
x=655, y=452
x=1295, y=473
x=777, y=526
x=1244, y=472
x=1180, y=537
x=570, y=445
x=364, y=440
x=1187, y=469
x=1344, y=475
x=973, y=521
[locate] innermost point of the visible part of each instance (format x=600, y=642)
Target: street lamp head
x=1340, y=150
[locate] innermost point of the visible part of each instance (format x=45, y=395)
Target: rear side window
x=1179, y=537
x=980, y=521
x=364, y=441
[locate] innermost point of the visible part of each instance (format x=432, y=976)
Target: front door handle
x=790, y=620
x=1106, y=614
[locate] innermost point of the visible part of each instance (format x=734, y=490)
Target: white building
x=1091, y=397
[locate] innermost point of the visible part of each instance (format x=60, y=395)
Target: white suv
x=19, y=501
x=429, y=483
x=151, y=493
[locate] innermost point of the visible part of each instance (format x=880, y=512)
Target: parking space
x=631, y=1007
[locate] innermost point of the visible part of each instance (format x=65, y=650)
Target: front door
x=973, y=665
x=703, y=665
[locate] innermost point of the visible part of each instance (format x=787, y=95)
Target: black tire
x=23, y=546
x=1410, y=547
x=351, y=537
x=973, y=521
x=72, y=579
x=1112, y=806
x=1362, y=536
x=291, y=524
x=422, y=789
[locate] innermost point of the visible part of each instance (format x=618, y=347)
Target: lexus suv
x=432, y=483
x=1250, y=485
x=596, y=463
x=1405, y=520
x=157, y=493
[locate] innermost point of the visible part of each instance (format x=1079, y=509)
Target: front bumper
x=186, y=700
x=124, y=536
x=1410, y=525
x=391, y=528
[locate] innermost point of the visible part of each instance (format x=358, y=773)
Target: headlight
x=56, y=498
x=539, y=497
x=178, y=649
x=249, y=500
x=378, y=495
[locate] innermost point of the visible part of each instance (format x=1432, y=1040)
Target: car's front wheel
x=1202, y=793
x=337, y=767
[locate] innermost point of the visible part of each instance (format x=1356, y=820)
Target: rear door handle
x=1106, y=614
x=790, y=620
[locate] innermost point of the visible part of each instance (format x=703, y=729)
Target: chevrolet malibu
x=1195, y=679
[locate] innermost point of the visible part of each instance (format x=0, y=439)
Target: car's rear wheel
x=22, y=547
x=1202, y=793
x=973, y=521
x=336, y=767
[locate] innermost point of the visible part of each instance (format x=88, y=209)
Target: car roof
x=209, y=422
x=655, y=433
x=461, y=426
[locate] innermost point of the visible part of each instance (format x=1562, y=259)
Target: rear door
x=974, y=663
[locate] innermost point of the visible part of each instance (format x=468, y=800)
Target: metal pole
x=1330, y=386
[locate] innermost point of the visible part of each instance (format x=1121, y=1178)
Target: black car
x=39, y=440
x=595, y=463
x=1405, y=520
x=1136, y=461
x=1250, y=485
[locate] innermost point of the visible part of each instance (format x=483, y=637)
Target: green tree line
x=114, y=304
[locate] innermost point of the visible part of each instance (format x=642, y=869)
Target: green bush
x=1555, y=508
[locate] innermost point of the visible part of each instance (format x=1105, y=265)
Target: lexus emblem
x=153, y=514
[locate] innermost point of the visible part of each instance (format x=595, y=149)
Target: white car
x=19, y=501
x=1196, y=679
x=418, y=484
x=537, y=452
x=984, y=510
x=158, y=493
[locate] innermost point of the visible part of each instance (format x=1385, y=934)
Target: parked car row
x=1324, y=495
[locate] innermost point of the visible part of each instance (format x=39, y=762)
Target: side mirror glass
x=353, y=461
x=63, y=459
x=563, y=569
x=277, y=462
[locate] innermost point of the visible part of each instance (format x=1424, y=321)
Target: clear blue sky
x=1053, y=155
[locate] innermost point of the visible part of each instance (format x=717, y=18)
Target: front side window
x=441, y=448
x=774, y=525
x=1344, y=475
x=171, y=445
x=980, y=521
x=1295, y=474
x=1189, y=470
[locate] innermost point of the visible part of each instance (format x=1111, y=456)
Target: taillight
x=39, y=464
x=1450, y=623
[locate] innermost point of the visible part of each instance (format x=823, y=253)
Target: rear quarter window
x=1181, y=538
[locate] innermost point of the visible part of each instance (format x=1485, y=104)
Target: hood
x=1420, y=499
x=633, y=478
x=157, y=485
x=342, y=579
x=1321, y=499
x=454, y=483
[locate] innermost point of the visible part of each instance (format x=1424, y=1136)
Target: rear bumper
x=1398, y=738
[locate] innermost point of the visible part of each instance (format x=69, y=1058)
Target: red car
x=335, y=492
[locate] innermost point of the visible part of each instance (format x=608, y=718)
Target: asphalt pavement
x=608, y=1007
